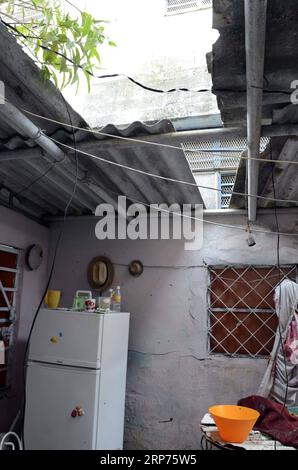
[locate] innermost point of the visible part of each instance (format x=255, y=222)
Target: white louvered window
x=181, y=6
x=227, y=181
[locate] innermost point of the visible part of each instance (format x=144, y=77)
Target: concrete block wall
x=171, y=377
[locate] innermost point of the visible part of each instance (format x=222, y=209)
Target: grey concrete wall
x=160, y=51
x=18, y=231
x=171, y=377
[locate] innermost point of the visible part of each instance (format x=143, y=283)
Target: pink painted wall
x=20, y=232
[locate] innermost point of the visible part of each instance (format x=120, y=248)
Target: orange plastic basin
x=233, y=422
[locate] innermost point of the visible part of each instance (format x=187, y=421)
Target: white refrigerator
x=76, y=380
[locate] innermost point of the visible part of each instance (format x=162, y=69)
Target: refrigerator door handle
x=77, y=411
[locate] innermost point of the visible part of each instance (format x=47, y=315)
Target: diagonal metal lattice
x=241, y=315
x=182, y=6
x=226, y=154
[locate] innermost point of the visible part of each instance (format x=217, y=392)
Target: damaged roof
x=33, y=183
x=227, y=64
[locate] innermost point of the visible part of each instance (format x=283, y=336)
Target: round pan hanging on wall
x=136, y=268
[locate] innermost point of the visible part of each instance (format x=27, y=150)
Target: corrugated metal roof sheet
x=285, y=176
x=97, y=181
x=228, y=68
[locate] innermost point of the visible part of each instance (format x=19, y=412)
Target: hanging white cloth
x=2, y=353
x=286, y=298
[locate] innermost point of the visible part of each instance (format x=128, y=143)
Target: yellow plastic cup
x=52, y=298
x=233, y=422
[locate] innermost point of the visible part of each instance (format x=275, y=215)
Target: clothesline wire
x=145, y=142
x=159, y=209
x=18, y=33
x=76, y=150
x=159, y=176
x=158, y=144
x=285, y=276
x=42, y=45
x=154, y=175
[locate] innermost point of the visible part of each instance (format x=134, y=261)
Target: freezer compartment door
x=61, y=407
x=67, y=337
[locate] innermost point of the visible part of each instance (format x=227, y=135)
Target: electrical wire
x=151, y=266
x=76, y=150
x=146, y=142
x=159, y=209
x=49, y=278
x=59, y=54
x=205, y=266
x=36, y=179
x=132, y=80
x=174, y=147
x=69, y=202
x=159, y=176
x=163, y=145
x=11, y=433
x=165, y=178
x=140, y=141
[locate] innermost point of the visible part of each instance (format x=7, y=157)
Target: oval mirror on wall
x=100, y=273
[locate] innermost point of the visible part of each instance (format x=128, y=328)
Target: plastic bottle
x=117, y=300
x=111, y=295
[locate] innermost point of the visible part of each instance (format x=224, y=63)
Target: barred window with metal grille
x=9, y=274
x=182, y=6
x=241, y=315
x=226, y=185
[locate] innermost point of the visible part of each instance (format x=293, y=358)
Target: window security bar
x=10, y=308
x=9, y=275
x=241, y=315
x=8, y=270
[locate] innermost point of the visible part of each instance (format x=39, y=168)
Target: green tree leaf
x=62, y=44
